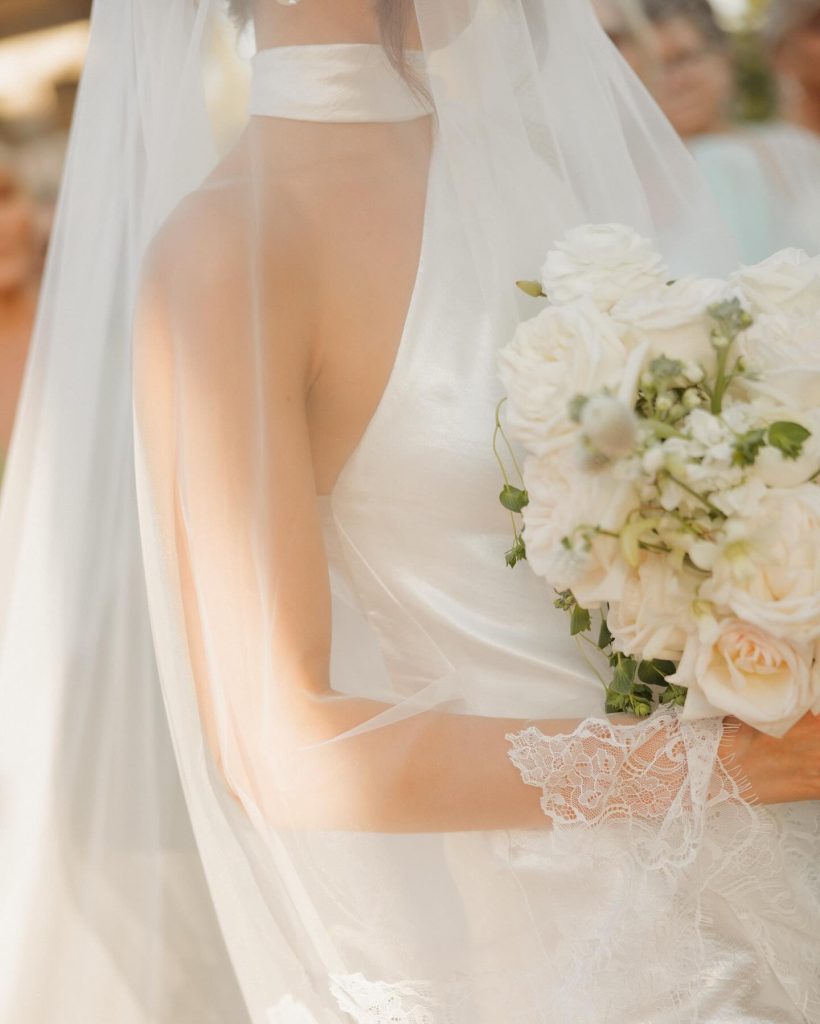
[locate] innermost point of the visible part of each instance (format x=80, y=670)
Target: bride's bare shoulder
x=229, y=221
x=230, y=257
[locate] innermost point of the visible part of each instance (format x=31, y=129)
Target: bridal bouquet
x=671, y=487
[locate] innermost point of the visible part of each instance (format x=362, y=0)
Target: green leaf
x=623, y=680
x=580, y=622
x=517, y=553
x=615, y=702
x=655, y=672
x=747, y=446
x=788, y=437
x=604, y=636
x=532, y=288
x=514, y=499
x=674, y=694
x=565, y=601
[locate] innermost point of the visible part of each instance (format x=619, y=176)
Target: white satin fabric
x=424, y=554
x=346, y=83
x=479, y=927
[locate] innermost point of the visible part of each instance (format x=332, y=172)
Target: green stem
x=500, y=430
x=589, y=660
x=496, y=453
x=722, y=380
x=696, y=494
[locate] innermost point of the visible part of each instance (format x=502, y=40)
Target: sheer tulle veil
x=145, y=826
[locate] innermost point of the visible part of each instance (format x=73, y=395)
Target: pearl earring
x=288, y=3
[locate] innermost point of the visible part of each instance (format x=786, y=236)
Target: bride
x=406, y=799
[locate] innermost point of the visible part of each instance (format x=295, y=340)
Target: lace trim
x=658, y=777
x=379, y=1002
x=289, y=1011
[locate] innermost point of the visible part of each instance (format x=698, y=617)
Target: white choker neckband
x=344, y=82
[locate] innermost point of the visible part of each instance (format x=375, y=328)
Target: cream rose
x=654, y=615
x=562, y=352
x=735, y=668
x=769, y=575
x=673, y=320
x=787, y=282
x=783, y=354
x=601, y=262
x=592, y=566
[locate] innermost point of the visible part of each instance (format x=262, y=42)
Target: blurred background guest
x=765, y=176
x=22, y=246
x=42, y=47
x=792, y=34
x=626, y=24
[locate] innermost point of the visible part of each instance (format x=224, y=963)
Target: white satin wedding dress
x=707, y=912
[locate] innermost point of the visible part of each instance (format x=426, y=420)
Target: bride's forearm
x=437, y=772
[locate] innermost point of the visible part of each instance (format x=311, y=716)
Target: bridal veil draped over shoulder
x=353, y=770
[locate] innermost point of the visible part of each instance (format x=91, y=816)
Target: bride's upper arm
x=223, y=360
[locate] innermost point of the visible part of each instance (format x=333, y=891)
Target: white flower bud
x=654, y=460
x=693, y=372
x=609, y=426
x=691, y=398
x=663, y=404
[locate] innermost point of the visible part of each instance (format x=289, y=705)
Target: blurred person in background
x=21, y=257
x=694, y=80
x=626, y=24
x=766, y=178
x=792, y=34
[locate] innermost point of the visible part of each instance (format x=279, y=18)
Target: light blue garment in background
x=767, y=183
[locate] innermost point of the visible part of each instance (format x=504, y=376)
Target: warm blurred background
x=42, y=44
x=42, y=47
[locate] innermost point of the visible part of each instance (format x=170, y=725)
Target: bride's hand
x=778, y=770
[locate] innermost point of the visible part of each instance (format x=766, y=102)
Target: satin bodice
x=414, y=526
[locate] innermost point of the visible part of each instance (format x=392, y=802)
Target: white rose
x=783, y=353
x=654, y=615
x=673, y=320
x=602, y=262
x=769, y=572
x=562, y=352
x=734, y=668
x=562, y=499
x=787, y=282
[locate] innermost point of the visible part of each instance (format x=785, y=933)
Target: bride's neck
x=315, y=22
x=320, y=22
